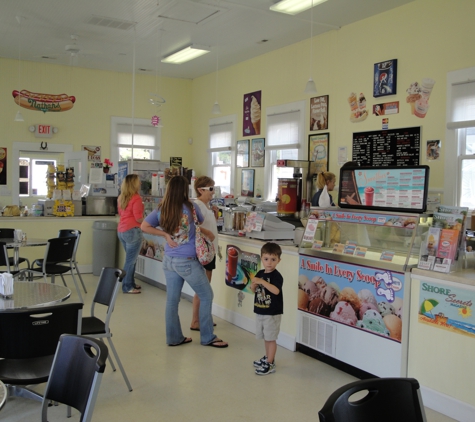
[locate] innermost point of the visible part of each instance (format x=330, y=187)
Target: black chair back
x=4, y=256
x=60, y=249
x=75, y=375
x=7, y=233
x=107, y=286
x=387, y=399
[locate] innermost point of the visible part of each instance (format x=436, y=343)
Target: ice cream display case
x=353, y=268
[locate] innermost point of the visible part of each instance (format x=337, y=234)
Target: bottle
x=258, y=192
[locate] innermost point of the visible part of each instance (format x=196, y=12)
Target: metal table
x=12, y=244
x=32, y=294
x=3, y=394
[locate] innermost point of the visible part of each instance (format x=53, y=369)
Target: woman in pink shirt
x=130, y=235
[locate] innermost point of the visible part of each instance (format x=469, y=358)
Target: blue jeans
x=131, y=241
x=177, y=271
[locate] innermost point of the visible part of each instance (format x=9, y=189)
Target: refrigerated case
x=354, y=267
x=144, y=168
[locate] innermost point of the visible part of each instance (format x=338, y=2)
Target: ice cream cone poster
x=367, y=298
x=251, y=124
x=319, y=113
x=385, y=78
x=93, y=153
x=3, y=166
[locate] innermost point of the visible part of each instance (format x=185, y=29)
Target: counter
x=48, y=227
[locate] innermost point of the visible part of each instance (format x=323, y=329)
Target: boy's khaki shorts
x=268, y=327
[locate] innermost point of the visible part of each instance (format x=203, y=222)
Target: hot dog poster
x=93, y=152
x=43, y=102
x=3, y=166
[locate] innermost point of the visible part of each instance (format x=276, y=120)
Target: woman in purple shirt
x=174, y=221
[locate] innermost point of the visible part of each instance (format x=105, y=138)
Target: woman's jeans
x=131, y=241
x=178, y=270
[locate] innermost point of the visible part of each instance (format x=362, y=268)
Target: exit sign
x=44, y=131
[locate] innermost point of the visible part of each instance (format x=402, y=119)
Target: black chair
x=28, y=342
x=386, y=399
x=106, y=294
x=4, y=262
x=72, y=233
x=10, y=234
x=76, y=375
x=57, y=251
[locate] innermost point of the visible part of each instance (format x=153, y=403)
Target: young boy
x=268, y=305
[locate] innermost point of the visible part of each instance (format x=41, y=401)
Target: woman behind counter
x=175, y=218
x=130, y=206
x=204, y=187
x=325, y=184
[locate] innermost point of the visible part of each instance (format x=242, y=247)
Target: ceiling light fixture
x=310, y=88
x=19, y=116
x=186, y=54
x=294, y=7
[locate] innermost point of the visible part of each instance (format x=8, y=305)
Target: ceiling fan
x=73, y=51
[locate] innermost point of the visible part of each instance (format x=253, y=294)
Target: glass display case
x=353, y=270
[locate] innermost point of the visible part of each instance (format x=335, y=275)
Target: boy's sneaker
x=258, y=363
x=266, y=368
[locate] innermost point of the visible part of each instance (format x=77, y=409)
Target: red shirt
x=129, y=216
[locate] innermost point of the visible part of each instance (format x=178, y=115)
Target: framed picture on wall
x=257, y=152
x=247, y=182
x=242, y=156
x=319, y=113
x=318, y=151
x=385, y=78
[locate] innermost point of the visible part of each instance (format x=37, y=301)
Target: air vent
x=140, y=265
x=317, y=334
x=110, y=22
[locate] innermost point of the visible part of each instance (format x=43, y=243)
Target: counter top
x=466, y=276
x=287, y=246
x=52, y=217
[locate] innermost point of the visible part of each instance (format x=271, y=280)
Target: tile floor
x=194, y=383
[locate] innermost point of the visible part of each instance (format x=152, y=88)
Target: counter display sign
x=241, y=267
x=362, y=297
x=386, y=188
x=382, y=148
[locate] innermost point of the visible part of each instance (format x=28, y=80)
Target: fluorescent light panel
x=293, y=7
x=187, y=54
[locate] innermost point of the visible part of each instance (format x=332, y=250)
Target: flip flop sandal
x=186, y=340
x=136, y=286
x=220, y=346
x=133, y=291
x=198, y=329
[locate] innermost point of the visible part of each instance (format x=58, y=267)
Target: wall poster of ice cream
x=3, y=166
x=241, y=267
x=257, y=152
x=319, y=113
x=318, y=151
x=384, y=109
x=385, y=78
x=418, y=96
x=152, y=247
x=363, y=297
x=251, y=124
x=447, y=307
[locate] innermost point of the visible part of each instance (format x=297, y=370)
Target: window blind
x=220, y=135
x=462, y=112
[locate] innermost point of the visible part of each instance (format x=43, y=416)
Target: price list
x=384, y=148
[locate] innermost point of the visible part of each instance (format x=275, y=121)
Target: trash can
x=104, y=245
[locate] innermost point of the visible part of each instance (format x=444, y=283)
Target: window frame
x=299, y=145
x=230, y=119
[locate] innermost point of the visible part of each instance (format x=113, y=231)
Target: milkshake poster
x=251, y=124
x=446, y=307
x=241, y=267
x=362, y=297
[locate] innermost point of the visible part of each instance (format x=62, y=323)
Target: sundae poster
x=153, y=247
x=446, y=307
x=3, y=166
x=385, y=78
x=241, y=267
x=319, y=113
x=251, y=124
x=362, y=297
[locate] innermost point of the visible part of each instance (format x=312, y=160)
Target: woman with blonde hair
x=204, y=187
x=325, y=184
x=130, y=206
x=173, y=220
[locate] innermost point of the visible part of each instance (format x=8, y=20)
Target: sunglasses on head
x=210, y=188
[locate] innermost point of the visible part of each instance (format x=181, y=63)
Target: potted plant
x=107, y=165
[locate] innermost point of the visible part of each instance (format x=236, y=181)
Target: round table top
x=32, y=294
x=3, y=394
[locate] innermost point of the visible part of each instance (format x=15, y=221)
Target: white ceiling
x=235, y=29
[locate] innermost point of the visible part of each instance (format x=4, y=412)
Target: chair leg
x=80, y=277
x=26, y=393
x=119, y=363
x=75, y=284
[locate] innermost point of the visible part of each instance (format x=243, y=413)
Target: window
x=460, y=136
x=143, y=145
x=33, y=176
x=285, y=131
x=221, y=140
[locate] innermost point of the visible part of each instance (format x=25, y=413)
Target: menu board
x=384, y=188
x=382, y=148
